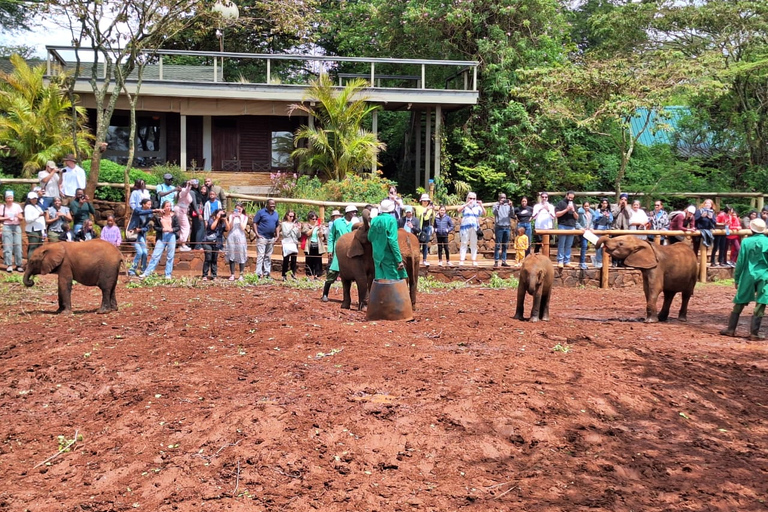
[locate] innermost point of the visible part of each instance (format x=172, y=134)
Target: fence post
x=545, y=245
x=321, y=213
x=702, y=263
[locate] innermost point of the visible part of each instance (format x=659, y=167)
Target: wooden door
x=225, y=141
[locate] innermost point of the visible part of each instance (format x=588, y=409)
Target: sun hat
x=387, y=206
x=70, y=158
x=335, y=213
x=424, y=197
x=757, y=225
x=32, y=195
x=167, y=176
x=691, y=209
x=9, y=193
x=350, y=208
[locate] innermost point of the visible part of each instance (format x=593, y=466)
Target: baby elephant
x=536, y=277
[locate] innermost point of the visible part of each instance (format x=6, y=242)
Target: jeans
x=528, y=233
x=12, y=244
x=46, y=202
x=140, y=260
x=167, y=241
x=211, y=260
x=564, y=244
x=442, y=245
x=34, y=240
x=425, y=247
x=198, y=232
x=502, y=241
x=264, y=248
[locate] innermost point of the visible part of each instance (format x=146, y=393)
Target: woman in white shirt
x=139, y=193
x=290, y=231
x=638, y=219
x=237, y=241
x=34, y=216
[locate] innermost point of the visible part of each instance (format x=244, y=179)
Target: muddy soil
x=217, y=397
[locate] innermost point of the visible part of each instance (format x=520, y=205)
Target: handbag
x=289, y=248
x=424, y=237
x=480, y=233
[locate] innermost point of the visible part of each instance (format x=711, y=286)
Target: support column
x=438, y=126
x=375, y=130
x=417, y=156
x=183, y=131
x=207, y=144
x=427, y=148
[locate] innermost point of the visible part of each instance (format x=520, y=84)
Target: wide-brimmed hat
x=757, y=225
x=350, y=208
x=387, y=206
x=69, y=158
x=424, y=197
x=335, y=213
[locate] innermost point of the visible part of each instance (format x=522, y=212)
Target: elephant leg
x=520, y=301
x=544, y=315
x=664, y=313
x=346, y=285
x=106, y=304
x=413, y=282
x=362, y=292
x=651, y=298
x=65, y=295
x=536, y=303
x=683, y=315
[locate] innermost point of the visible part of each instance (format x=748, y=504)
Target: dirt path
x=263, y=398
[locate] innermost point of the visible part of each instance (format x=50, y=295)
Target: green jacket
x=751, y=274
x=339, y=227
x=386, y=251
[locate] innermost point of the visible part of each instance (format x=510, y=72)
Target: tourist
x=266, y=224
x=503, y=213
x=586, y=219
x=185, y=199
x=214, y=237
x=471, y=215
x=638, y=219
x=72, y=179
x=523, y=214
x=394, y=196
x=521, y=245
x=443, y=228
x=425, y=214
x=140, y=218
x=237, y=242
x=751, y=275
x=314, y=248
x=543, y=217
x=290, y=231
x=167, y=191
x=217, y=191
x=719, y=254
x=566, y=214
x=167, y=229
x=211, y=205
x=111, y=233
x=138, y=195
x=56, y=216
x=86, y=232
x=50, y=181
x=34, y=219
x=12, y=214
x=733, y=238
x=705, y=223
x=659, y=220
x=408, y=222
x=81, y=209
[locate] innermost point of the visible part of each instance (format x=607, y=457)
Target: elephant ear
x=53, y=256
x=644, y=257
x=356, y=248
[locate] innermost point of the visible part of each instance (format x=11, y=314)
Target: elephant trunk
x=28, y=281
x=601, y=241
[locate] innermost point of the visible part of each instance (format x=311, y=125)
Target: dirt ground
x=216, y=397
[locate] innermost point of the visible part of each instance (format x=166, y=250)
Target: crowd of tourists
x=193, y=216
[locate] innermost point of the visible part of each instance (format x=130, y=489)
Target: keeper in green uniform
x=340, y=226
x=751, y=277
x=387, y=260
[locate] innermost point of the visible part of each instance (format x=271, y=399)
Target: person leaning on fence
x=443, y=227
x=720, y=243
x=339, y=227
x=237, y=242
x=751, y=280
x=586, y=217
x=705, y=223
x=659, y=219
x=266, y=224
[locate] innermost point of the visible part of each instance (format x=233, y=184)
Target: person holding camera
x=140, y=217
x=185, y=199
x=72, y=179
x=471, y=214
x=55, y=217
x=237, y=241
x=290, y=231
x=566, y=215
x=425, y=213
x=503, y=213
x=81, y=210
x=50, y=179
x=214, y=236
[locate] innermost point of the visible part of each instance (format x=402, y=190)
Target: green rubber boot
x=754, y=330
x=733, y=321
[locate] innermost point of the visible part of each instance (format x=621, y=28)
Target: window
x=147, y=134
x=282, y=147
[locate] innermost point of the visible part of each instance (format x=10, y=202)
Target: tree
x=36, y=117
x=117, y=35
x=604, y=94
x=337, y=144
x=15, y=14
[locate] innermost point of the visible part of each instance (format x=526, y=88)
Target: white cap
x=691, y=209
x=350, y=208
x=32, y=195
x=387, y=206
x=757, y=225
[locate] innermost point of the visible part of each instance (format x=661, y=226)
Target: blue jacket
x=443, y=225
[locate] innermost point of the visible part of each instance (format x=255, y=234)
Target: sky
x=44, y=32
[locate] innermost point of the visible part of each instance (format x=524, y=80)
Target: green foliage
x=20, y=190
x=338, y=144
x=179, y=176
x=429, y=284
x=111, y=172
x=36, y=118
x=499, y=283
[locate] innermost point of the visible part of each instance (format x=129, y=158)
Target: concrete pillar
x=375, y=130
x=438, y=127
x=417, y=156
x=207, y=143
x=428, y=148
x=183, y=155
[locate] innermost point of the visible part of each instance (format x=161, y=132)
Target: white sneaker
x=185, y=248
x=439, y=263
x=474, y=263
x=9, y=269
x=450, y=264
x=461, y=263
x=426, y=263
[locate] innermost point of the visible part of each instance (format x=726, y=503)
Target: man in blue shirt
x=267, y=224
x=167, y=191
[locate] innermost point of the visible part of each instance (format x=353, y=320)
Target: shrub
x=112, y=172
x=20, y=190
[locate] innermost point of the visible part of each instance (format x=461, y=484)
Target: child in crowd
x=521, y=245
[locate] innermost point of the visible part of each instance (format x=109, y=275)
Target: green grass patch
x=429, y=284
x=499, y=283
